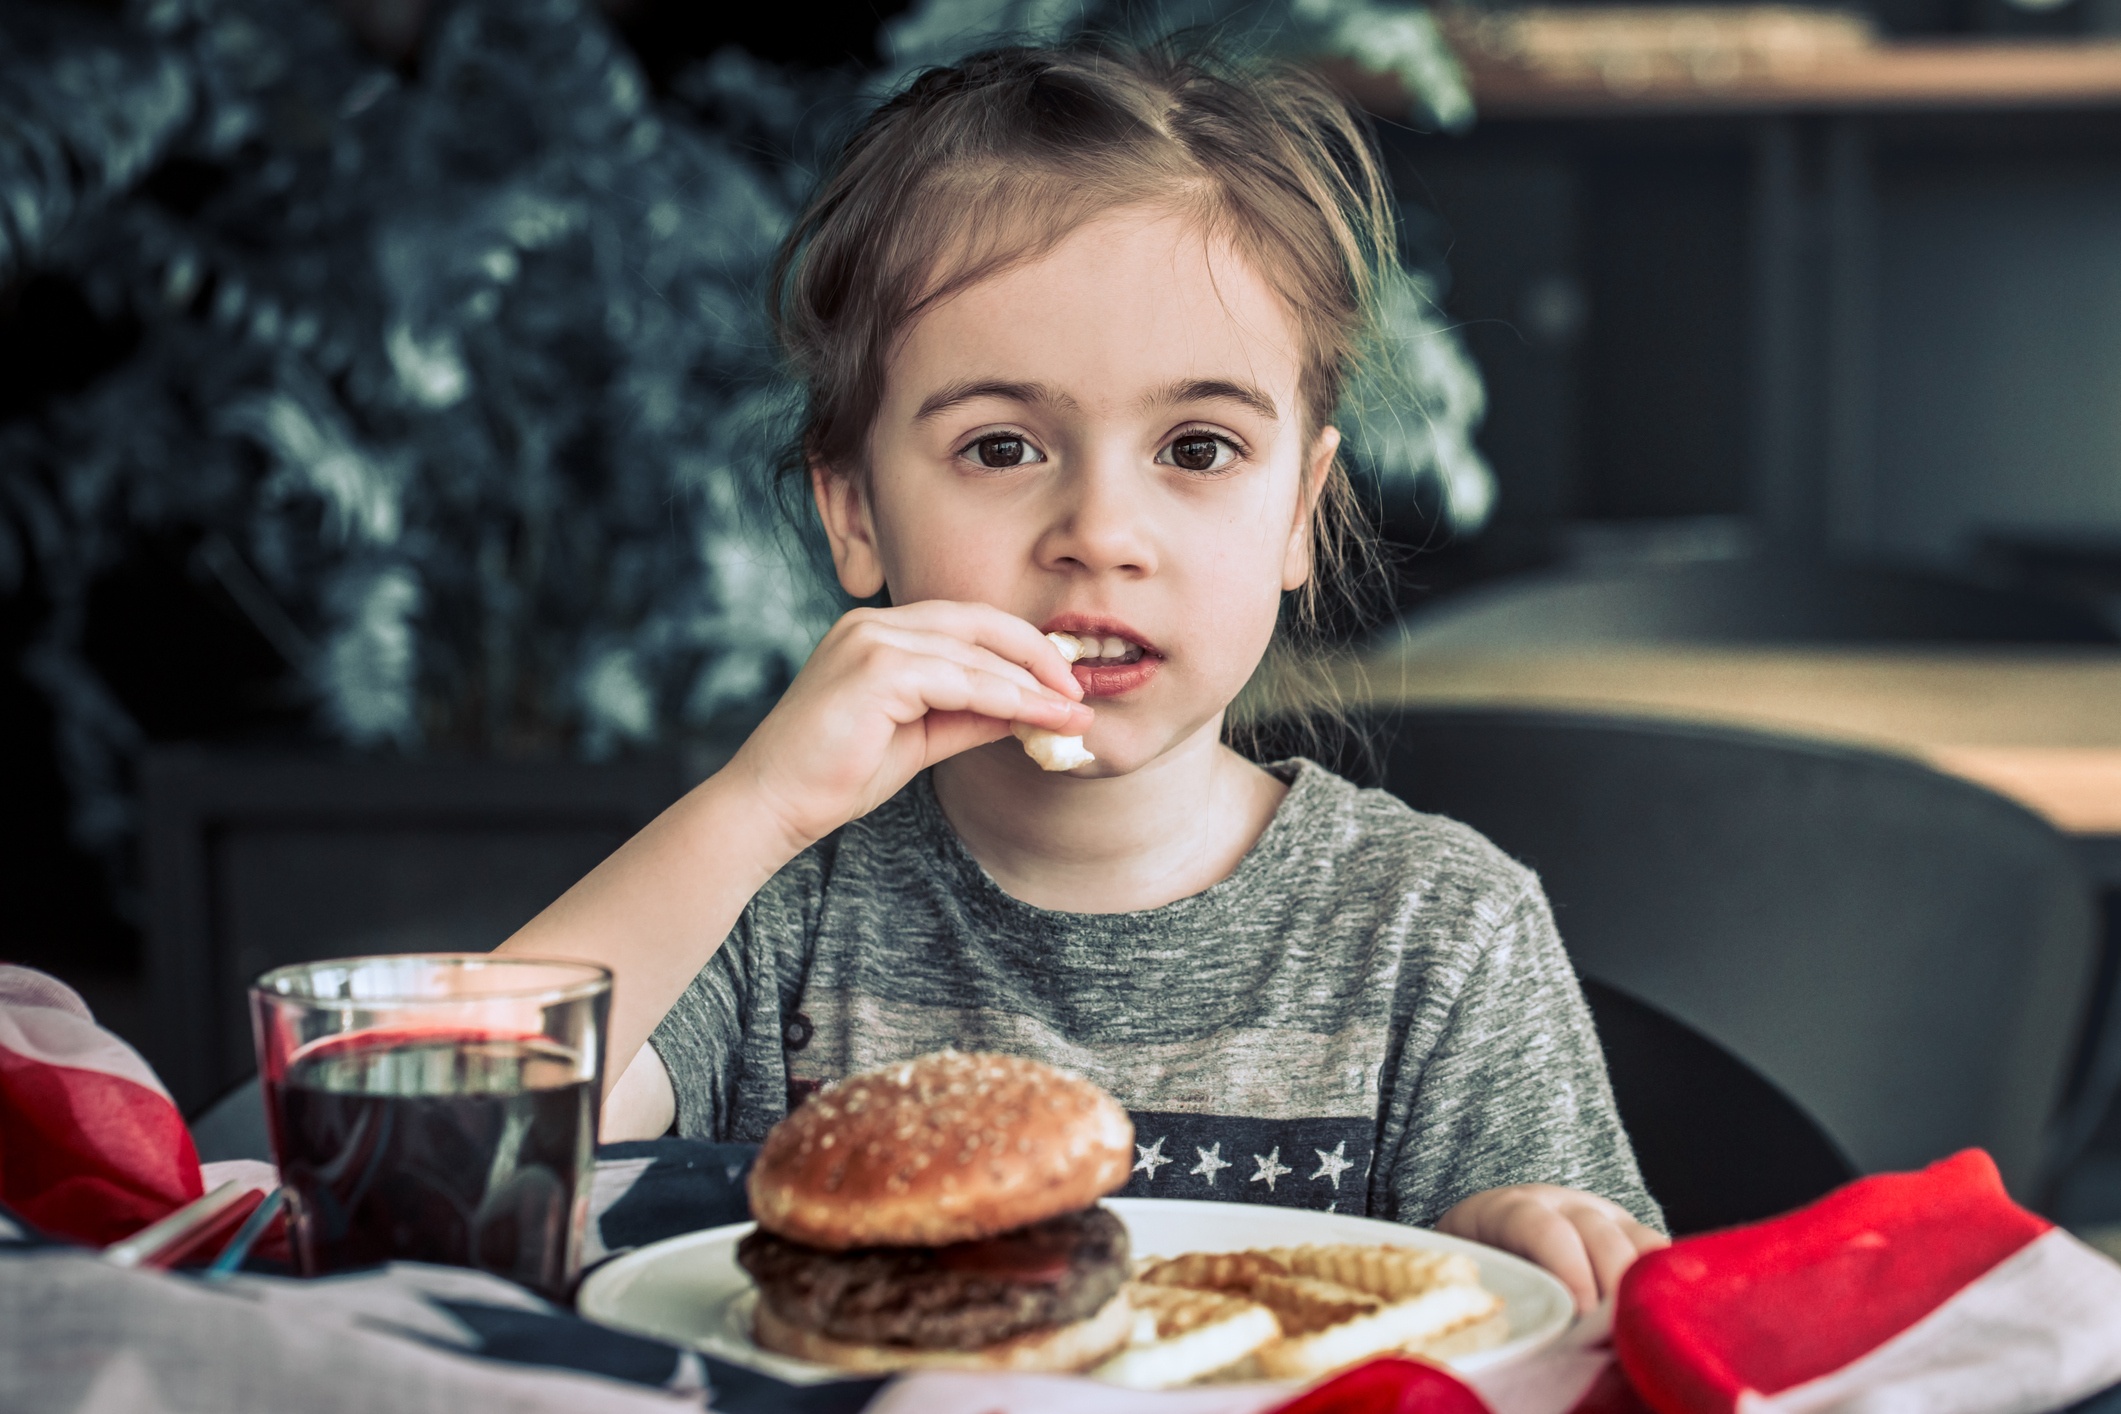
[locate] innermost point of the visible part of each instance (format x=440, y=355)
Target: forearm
x=659, y=907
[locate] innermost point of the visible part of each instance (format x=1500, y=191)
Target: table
x=2040, y=725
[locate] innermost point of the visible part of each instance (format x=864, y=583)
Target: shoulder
x=1374, y=838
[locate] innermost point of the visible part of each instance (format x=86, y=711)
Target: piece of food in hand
x=1051, y=750
x=1068, y=646
x=942, y=1213
x=1182, y=1335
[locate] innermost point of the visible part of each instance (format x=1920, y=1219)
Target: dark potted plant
x=452, y=373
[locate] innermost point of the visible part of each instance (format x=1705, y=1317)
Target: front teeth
x=1089, y=648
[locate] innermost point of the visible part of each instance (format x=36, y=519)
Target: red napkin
x=91, y=1146
x=1926, y=1291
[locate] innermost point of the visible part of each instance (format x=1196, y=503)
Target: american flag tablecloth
x=1927, y=1292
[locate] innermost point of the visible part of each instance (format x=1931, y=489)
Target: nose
x=1101, y=520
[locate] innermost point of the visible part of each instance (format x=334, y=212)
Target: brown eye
x=1002, y=451
x=1195, y=452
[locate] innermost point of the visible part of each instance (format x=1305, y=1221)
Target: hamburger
x=943, y=1213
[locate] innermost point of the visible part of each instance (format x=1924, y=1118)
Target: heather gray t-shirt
x=1373, y=1014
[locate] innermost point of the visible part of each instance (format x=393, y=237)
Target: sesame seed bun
x=950, y=1147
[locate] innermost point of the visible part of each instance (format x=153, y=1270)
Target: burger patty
x=961, y=1297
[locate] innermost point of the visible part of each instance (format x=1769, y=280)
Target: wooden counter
x=2042, y=726
x=1911, y=75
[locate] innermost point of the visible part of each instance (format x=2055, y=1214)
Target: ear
x=850, y=530
x=1296, y=555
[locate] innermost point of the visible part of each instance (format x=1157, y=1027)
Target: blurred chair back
x=1719, y=1145
x=1744, y=601
x=1907, y=955
x=255, y=861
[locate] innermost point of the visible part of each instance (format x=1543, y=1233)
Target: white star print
x=1211, y=1162
x=1270, y=1168
x=1151, y=1159
x=1335, y=1164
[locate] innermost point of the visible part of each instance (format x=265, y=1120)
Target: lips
x=1112, y=659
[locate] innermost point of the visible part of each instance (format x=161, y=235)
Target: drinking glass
x=435, y=1107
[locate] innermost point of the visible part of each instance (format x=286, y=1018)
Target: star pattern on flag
x=1211, y=1162
x=1150, y=1158
x=1333, y=1165
x=1270, y=1168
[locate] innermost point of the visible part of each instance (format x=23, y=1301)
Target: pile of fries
x=1296, y=1313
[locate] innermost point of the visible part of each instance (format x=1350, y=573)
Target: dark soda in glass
x=467, y=1149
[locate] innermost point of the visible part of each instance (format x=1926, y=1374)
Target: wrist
x=742, y=821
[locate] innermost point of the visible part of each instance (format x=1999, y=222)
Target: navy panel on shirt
x=1322, y=1164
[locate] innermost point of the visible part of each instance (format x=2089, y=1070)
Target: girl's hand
x=1581, y=1238
x=890, y=692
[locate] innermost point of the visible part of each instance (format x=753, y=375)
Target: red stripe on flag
x=1769, y=1306
x=88, y=1155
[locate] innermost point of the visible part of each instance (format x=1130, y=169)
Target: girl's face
x=1106, y=440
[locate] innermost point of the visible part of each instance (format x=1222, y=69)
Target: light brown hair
x=995, y=160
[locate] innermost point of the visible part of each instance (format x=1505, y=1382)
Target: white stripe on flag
x=37, y=1024
x=2040, y=1329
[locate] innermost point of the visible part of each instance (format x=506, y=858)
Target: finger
x=952, y=732
x=971, y=655
x=1003, y=634
x=1607, y=1245
x=927, y=684
x=1645, y=1237
x=899, y=655
x=1553, y=1242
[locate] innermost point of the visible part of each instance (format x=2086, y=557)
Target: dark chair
x=1719, y=1145
x=233, y=1126
x=1906, y=955
x=1761, y=601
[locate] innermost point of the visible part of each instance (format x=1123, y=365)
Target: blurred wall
x=1999, y=349
x=1883, y=338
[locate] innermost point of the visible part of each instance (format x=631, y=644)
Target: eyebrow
x=958, y=394
x=1198, y=390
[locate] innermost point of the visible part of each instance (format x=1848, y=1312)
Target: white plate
x=689, y=1290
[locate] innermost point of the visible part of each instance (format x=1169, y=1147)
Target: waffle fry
x=1469, y=1339
x=1391, y=1326
x=1212, y=1271
x=1306, y=1304
x=1336, y=1305
x=1183, y=1335
x=1393, y=1273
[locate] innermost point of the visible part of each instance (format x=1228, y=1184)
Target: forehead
x=1128, y=301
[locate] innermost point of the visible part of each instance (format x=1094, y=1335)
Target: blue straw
x=224, y=1266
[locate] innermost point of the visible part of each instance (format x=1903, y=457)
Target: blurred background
x=388, y=436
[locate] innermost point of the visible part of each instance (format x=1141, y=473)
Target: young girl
x=1073, y=325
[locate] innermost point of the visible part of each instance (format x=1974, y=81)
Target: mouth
x=1091, y=650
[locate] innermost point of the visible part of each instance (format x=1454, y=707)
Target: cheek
x=935, y=546
x=1238, y=590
